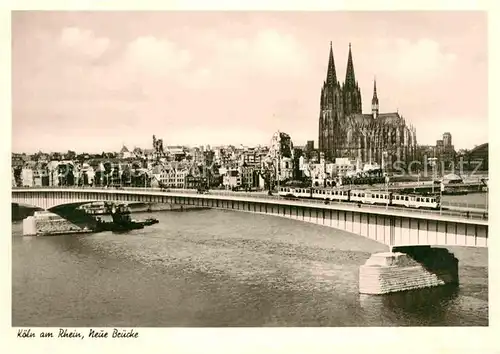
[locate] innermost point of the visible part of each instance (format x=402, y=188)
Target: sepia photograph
x=249, y=169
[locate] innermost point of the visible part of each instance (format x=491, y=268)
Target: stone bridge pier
x=407, y=268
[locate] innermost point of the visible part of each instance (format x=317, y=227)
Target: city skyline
x=94, y=81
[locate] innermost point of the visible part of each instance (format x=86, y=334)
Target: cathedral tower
x=375, y=100
x=331, y=110
x=351, y=92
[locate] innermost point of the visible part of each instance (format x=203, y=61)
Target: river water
x=224, y=268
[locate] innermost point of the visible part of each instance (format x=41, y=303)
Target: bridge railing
x=465, y=205
x=264, y=195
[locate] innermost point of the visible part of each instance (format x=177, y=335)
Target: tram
x=363, y=196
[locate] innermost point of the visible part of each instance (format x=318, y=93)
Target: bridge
x=410, y=263
x=392, y=226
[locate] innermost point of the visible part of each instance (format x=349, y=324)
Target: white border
x=256, y=340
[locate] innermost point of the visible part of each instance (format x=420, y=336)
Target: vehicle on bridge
x=328, y=194
x=202, y=190
x=363, y=197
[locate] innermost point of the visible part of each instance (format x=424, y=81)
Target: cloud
x=268, y=51
x=156, y=56
x=417, y=61
x=83, y=42
x=217, y=61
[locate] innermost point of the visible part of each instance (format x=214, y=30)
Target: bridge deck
x=389, y=225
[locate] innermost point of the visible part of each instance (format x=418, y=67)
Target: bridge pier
x=47, y=223
x=407, y=268
x=29, y=226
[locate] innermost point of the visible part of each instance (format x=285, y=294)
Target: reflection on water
x=420, y=307
x=221, y=268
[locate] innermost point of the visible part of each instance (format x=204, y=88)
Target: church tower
x=345, y=132
x=375, y=100
x=351, y=92
x=331, y=111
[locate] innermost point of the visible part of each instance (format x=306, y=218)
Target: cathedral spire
x=375, y=99
x=351, y=91
x=350, y=79
x=331, y=76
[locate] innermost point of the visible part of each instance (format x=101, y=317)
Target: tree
x=70, y=177
x=115, y=175
x=85, y=178
x=66, y=175
x=18, y=176
x=70, y=155
x=98, y=176
x=107, y=173
x=126, y=178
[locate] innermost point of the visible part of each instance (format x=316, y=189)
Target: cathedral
x=344, y=131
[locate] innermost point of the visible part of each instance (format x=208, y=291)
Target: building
x=53, y=173
x=344, y=131
x=196, y=155
x=281, y=156
x=249, y=178
x=40, y=177
x=343, y=167
x=170, y=176
x=447, y=139
x=27, y=177
x=298, y=162
x=317, y=174
x=251, y=157
x=286, y=170
x=445, y=152
x=195, y=182
x=232, y=179
x=177, y=153
x=125, y=153
x=17, y=161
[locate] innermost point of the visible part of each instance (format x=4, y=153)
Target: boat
x=456, y=191
x=95, y=208
x=122, y=221
x=150, y=221
x=110, y=226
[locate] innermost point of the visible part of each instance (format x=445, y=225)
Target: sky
x=93, y=81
